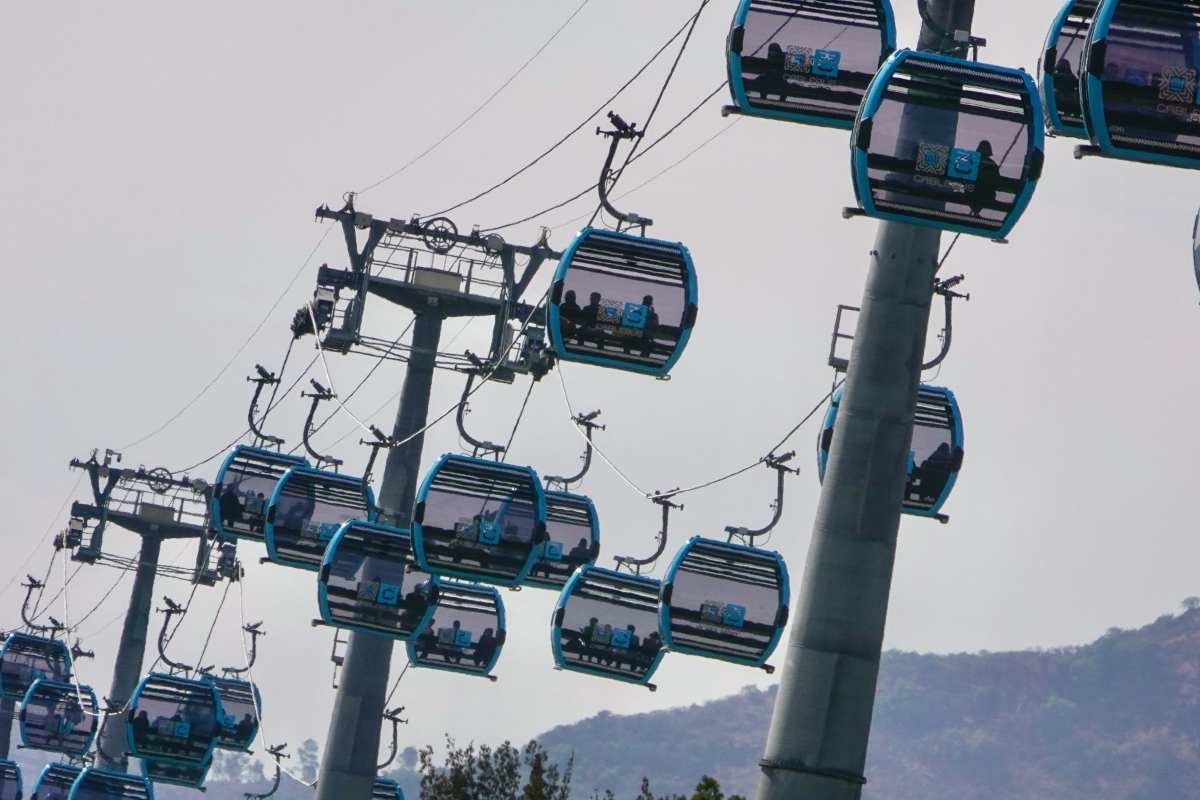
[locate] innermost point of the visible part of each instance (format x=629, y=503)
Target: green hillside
x=1113, y=720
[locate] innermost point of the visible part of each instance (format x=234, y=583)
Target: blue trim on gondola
x=12, y=639
x=831, y=419
x=68, y=686
x=392, y=787
x=323, y=588
x=113, y=775
x=664, y=609
x=534, y=582
x=196, y=784
x=500, y=630
x=691, y=299
x=1092, y=99
x=556, y=632
x=1046, y=86
x=416, y=531
x=37, y=786
x=215, y=510
x=871, y=105
x=737, y=85
x=269, y=525
x=133, y=707
x=257, y=712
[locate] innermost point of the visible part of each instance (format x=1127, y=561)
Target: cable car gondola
x=816, y=58
x=26, y=658
x=606, y=624
x=724, y=601
x=936, y=454
x=386, y=789
x=240, y=709
x=479, y=520
x=307, y=508
x=10, y=781
x=572, y=540
x=59, y=717
x=55, y=782
x=369, y=582
x=243, y=488
x=949, y=144
x=1062, y=65
x=623, y=301
x=95, y=783
x=1196, y=248
x=465, y=633
x=1139, y=92
x=191, y=776
x=173, y=719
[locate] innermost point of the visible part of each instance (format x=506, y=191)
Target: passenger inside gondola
x=987, y=183
x=580, y=553
x=230, y=505
x=1063, y=69
x=929, y=479
x=485, y=648
x=572, y=318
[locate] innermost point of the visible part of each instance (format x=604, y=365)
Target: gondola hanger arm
x=779, y=464
x=318, y=395
x=276, y=753
x=264, y=379
x=255, y=631
x=479, y=367
x=393, y=716
x=622, y=130
x=168, y=613
x=587, y=422
x=946, y=289
x=635, y=565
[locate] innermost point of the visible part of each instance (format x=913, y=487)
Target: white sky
x=161, y=164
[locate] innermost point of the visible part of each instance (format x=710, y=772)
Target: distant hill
x=1113, y=720
x=1118, y=719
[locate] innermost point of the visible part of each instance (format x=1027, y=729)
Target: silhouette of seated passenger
x=773, y=79
x=580, y=553
x=571, y=317
x=988, y=181
x=427, y=641
x=141, y=726
x=230, y=506
x=591, y=321
x=1063, y=69
x=934, y=472
x=651, y=328
x=485, y=649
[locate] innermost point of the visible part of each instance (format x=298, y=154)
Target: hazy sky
x=161, y=164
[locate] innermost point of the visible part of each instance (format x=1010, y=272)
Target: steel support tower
x=817, y=743
x=349, y=763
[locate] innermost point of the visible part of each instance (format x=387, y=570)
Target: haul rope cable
x=216, y=616
x=574, y=130
x=654, y=109
x=45, y=535
x=484, y=105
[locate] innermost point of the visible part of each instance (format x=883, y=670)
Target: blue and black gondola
x=241, y=707
x=386, y=789
x=59, y=717
x=724, y=601
x=465, y=633
x=95, y=783
x=572, y=540
x=11, y=787
x=191, y=776
x=243, y=488
x=174, y=719
x=1062, y=64
x=949, y=144
x=606, y=624
x=807, y=61
x=370, y=582
x=936, y=453
x=26, y=658
x=1140, y=89
x=307, y=508
x=479, y=520
x=55, y=781
x=623, y=301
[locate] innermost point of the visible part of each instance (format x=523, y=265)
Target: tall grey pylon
x=348, y=767
x=817, y=743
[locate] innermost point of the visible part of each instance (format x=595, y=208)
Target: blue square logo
x=389, y=594
x=462, y=638
x=826, y=63
x=621, y=638
x=634, y=316
x=489, y=532
x=554, y=551
x=798, y=60
x=182, y=730
x=368, y=591
x=735, y=616
x=964, y=164
x=228, y=721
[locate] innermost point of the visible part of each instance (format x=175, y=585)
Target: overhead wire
x=657, y=102
x=238, y=352
x=213, y=627
x=574, y=130
x=520, y=415
x=45, y=535
x=482, y=106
